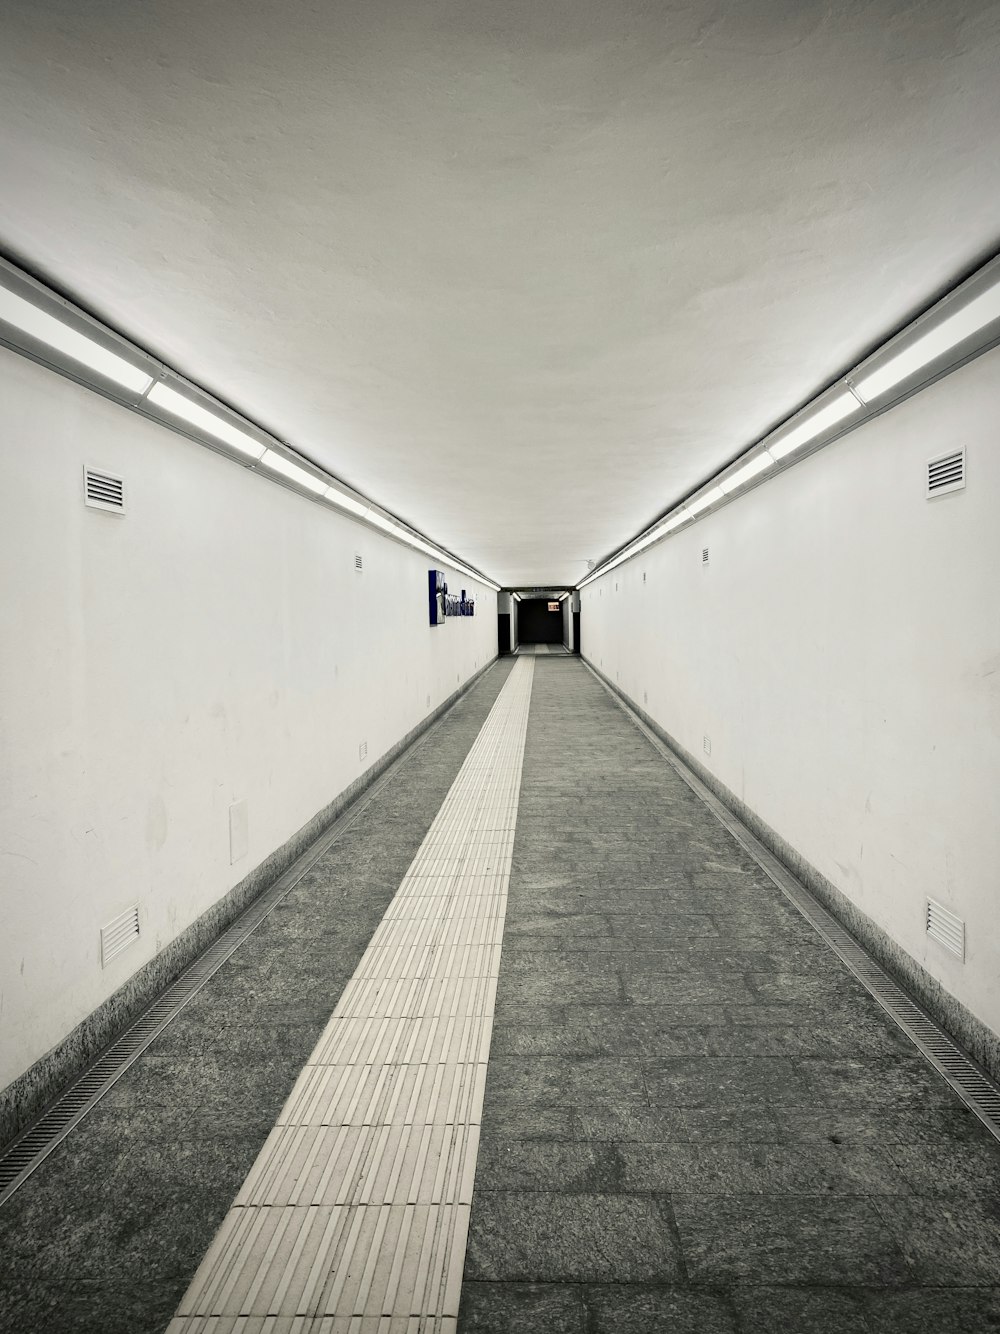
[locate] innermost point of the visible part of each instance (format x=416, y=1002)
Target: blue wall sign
x=441, y=603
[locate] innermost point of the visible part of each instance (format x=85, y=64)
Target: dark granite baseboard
x=969, y=1031
x=23, y=1100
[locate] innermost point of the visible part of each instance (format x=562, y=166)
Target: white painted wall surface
x=213, y=645
x=841, y=650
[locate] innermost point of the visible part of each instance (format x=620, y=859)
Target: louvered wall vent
x=946, y=473
x=944, y=927
x=119, y=935
x=359, y=564
x=363, y=751
x=704, y=555
x=103, y=490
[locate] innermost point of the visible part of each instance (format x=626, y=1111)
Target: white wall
x=215, y=644
x=841, y=650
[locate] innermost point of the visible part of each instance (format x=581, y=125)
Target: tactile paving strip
x=354, y=1218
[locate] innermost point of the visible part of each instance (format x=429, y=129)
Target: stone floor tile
x=521, y=1308
x=887, y=1082
x=945, y=1167
x=542, y=1237
x=934, y=1311
x=760, y=1239
x=520, y=996
x=78, y=1306
x=521, y=1122
x=947, y=1240
x=725, y=1084
x=690, y=988
x=820, y=1310
x=553, y=1080
x=580, y=1167
x=630, y=1309
x=805, y=1168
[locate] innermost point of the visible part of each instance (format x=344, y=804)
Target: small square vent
x=944, y=927
x=363, y=751
x=359, y=563
x=102, y=490
x=946, y=473
x=119, y=934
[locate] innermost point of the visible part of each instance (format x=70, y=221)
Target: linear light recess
x=32, y=326
x=675, y=520
x=703, y=501
x=37, y=323
x=279, y=464
x=645, y=540
x=745, y=474
x=343, y=502
x=177, y=405
x=929, y=347
x=816, y=424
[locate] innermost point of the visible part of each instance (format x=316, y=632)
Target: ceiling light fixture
x=929, y=341
x=286, y=468
x=37, y=323
x=706, y=499
x=817, y=423
x=344, y=502
x=747, y=473
x=27, y=318
x=178, y=405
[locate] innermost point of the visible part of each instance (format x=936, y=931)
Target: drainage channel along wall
x=187, y=686
x=833, y=668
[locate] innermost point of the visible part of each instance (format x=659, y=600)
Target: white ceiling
x=523, y=271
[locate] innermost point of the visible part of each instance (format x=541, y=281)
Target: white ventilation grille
x=103, y=490
x=946, y=473
x=704, y=555
x=944, y=927
x=363, y=751
x=359, y=564
x=118, y=935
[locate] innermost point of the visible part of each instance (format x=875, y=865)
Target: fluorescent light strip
x=816, y=424
x=411, y=539
x=745, y=474
x=162, y=396
x=706, y=499
x=943, y=333
x=929, y=347
x=661, y=530
x=37, y=323
x=343, y=502
x=279, y=464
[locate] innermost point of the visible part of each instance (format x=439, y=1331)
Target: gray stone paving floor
x=106, y=1235
x=696, y=1119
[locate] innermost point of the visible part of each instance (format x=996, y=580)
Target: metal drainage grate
x=33, y=1145
x=978, y=1091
